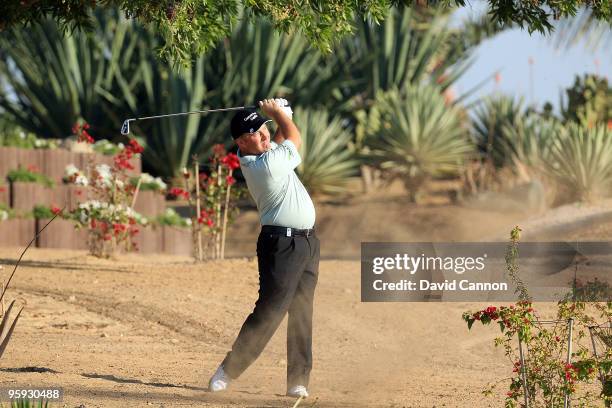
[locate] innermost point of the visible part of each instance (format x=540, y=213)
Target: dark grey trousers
x=288, y=272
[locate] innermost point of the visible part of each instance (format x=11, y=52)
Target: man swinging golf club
x=287, y=249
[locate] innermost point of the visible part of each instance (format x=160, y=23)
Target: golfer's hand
x=284, y=104
x=270, y=108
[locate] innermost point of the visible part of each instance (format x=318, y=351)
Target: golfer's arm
x=287, y=130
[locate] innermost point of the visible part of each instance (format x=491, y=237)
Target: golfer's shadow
x=116, y=379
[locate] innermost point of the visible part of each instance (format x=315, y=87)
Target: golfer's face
x=257, y=142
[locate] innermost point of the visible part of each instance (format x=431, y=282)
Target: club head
x=125, y=128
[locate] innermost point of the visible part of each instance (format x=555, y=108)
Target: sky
x=509, y=53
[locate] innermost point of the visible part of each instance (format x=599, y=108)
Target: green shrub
x=149, y=183
x=29, y=175
x=19, y=138
x=172, y=218
x=42, y=212
x=106, y=147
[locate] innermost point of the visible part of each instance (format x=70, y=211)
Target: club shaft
x=193, y=112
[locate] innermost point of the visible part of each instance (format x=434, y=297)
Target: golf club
x=125, y=128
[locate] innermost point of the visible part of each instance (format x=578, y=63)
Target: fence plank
x=149, y=240
x=177, y=240
x=150, y=203
x=16, y=232
x=60, y=234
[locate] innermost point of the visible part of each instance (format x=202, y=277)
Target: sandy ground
x=149, y=331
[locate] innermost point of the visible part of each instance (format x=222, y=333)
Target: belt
x=286, y=231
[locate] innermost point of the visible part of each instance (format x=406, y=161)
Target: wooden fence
x=22, y=197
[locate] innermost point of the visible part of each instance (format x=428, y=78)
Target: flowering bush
x=212, y=201
x=31, y=174
x=108, y=224
x=544, y=369
x=541, y=374
x=109, y=215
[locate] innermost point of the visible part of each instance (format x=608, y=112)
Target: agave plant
x=53, y=80
x=490, y=118
x=327, y=158
x=581, y=161
x=527, y=143
x=416, y=136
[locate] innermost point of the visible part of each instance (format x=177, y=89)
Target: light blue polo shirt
x=280, y=196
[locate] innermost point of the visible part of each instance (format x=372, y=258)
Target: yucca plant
x=581, y=161
x=491, y=117
x=328, y=161
x=416, y=136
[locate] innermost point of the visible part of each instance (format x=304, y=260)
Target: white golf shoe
x=297, y=391
x=219, y=381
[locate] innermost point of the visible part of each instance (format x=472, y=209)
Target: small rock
x=72, y=298
x=104, y=335
x=174, y=341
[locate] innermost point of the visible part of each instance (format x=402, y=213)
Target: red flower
x=78, y=192
x=55, y=210
x=2, y=189
x=230, y=180
x=176, y=192
x=134, y=146
x=81, y=133
x=231, y=161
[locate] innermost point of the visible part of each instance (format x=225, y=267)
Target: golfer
x=287, y=249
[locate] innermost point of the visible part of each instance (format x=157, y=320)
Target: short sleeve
x=283, y=159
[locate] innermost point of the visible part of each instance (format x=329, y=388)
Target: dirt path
x=149, y=331
x=152, y=330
